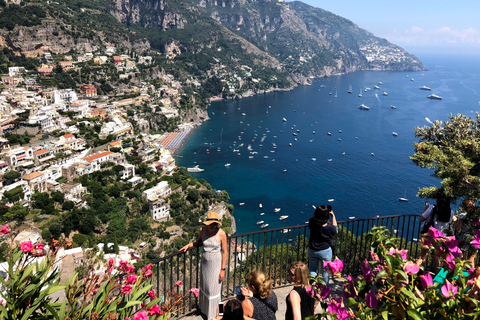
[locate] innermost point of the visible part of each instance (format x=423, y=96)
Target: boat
x=393, y=107
x=241, y=203
x=331, y=200
x=243, y=114
x=339, y=131
x=260, y=222
x=285, y=231
x=395, y=134
x=264, y=225
x=262, y=214
x=290, y=144
x=313, y=132
x=260, y=206
x=351, y=218
x=372, y=154
x=425, y=88
x=385, y=94
x=195, y=169
x=413, y=80
x=360, y=94
x=283, y=217
x=349, y=89
x=335, y=94
x=434, y=97
x=380, y=82
x=329, y=133
x=376, y=87
x=314, y=159
x=339, y=139
x=284, y=170
x=404, y=198
x=284, y=120
x=277, y=210
x=363, y=107
x=295, y=134
x=228, y=164
x=329, y=160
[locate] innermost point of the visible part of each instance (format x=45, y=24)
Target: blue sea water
x=361, y=184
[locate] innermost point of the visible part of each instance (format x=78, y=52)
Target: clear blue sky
x=422, y=26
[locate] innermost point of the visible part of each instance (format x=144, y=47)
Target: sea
x=361, y=168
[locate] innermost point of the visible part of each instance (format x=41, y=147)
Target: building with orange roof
x=95, y=161
x=43, y=155
x=36, y=181
x=19, y=156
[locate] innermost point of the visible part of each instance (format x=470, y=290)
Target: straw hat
x=212, y=217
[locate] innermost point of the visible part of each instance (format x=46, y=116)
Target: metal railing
x=273, y=251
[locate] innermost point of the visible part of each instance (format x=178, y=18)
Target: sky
x=422, y=26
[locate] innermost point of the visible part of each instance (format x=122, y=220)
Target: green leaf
x=409, y=294
x=385, y=315
x=414, y=315
x=381, y=274
x=53, y=289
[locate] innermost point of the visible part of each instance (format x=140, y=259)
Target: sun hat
x=212, y=217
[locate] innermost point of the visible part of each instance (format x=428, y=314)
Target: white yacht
x=283, y=217
x=376, y=87
x=195, y=169
x=395, y=134
x=385, y=94
x=284, y=120
x=363, y=107
x=393, y=107
x=434, y=97
x=314, y=159
x=241, y=203
x=227, y=164
x=260, y=222
x=277, y=210
x=264, y=225
x=260, y=206
x=425, y=88
x=402, y=199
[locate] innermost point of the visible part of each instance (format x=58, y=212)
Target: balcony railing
x=272, y=251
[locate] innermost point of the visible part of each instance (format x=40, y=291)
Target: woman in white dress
x=214, y=259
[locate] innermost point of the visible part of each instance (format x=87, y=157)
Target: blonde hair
x=258, y=280
x=301, y=273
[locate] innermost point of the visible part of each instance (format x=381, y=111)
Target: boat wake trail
x=428, y=120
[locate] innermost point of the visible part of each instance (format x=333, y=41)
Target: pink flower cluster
x=336, y=306
x=333, y=267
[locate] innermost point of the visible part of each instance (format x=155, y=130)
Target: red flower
x=4, y=230
x=141, y=315
x=155, y=310
x=148, y=273
x=132, y=279
x=151, y=294
x=39, y=246
x=126, y=289
x=110, y=262
x=130, y=269
x=26, y=246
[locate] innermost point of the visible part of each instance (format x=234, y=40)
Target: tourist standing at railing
x=321, y=244
x=262, y=303
x=439, y=216
x=214, y=260
x=300, y=304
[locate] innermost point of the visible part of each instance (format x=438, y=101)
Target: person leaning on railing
x=321, y=244
x=299, y=303
x=262, y=303
x=214, y=259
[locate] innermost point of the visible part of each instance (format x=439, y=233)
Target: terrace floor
x=337, y=288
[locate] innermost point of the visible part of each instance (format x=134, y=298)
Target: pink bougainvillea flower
x=127, y=289
x=141, y=315
x=39, y=246
x=26, y=246
x=374, y=256
x=335, y=306
x=324, y=291
x=110, y=262
x=477, y=223
x=132, y=279
x=310, y=291
x=110, y=270
x=95, y=290
x=148, y=266
x=148, y=273
x=367, y=271
x=449, y=290
x=426, y=280
x=371, y=300
x=178, y=283
x=151, y=294
x=155, y=310
x=195, y=291
x=350, y=289
x=333, y=267
x=411, y=268
x=4, y=230
x=476, y=242
x=450, y=261
x=402, y=253
x=435, y=234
